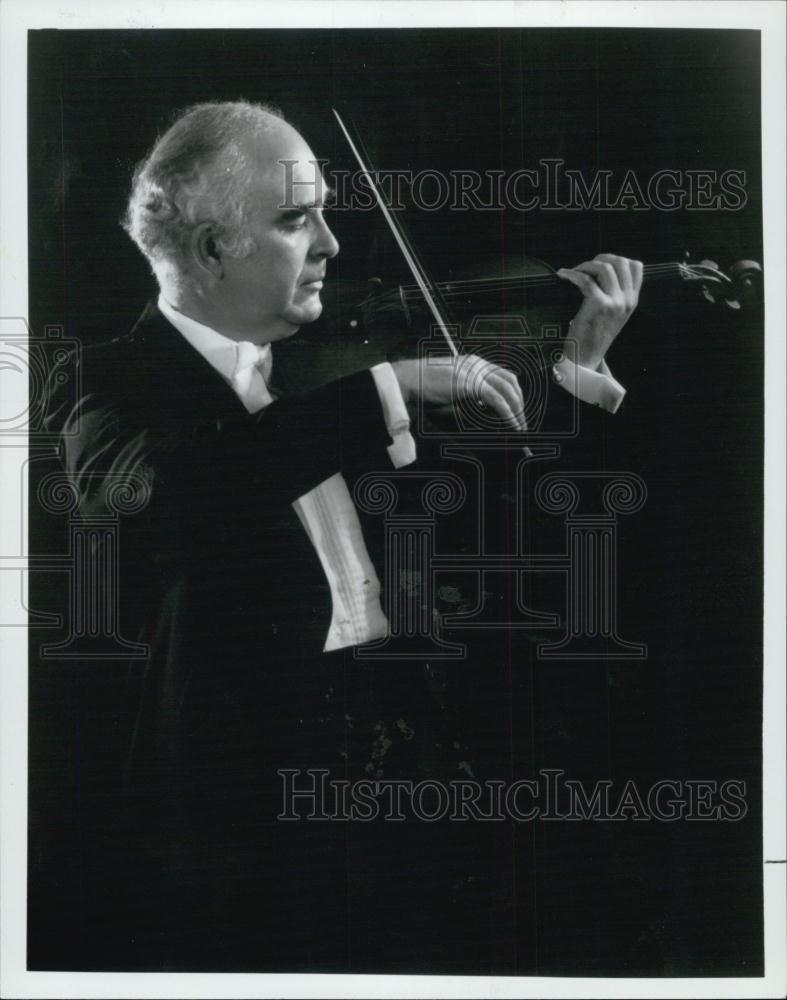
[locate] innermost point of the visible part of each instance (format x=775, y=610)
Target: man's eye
x=295, y=222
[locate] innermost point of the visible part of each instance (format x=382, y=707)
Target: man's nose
x=325, y=243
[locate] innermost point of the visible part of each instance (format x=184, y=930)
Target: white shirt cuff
x=596, y=387
x=397, y=419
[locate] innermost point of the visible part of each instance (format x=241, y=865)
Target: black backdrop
x=623, y=898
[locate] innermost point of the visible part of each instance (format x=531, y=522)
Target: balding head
x=202, y=168
x=228, y=209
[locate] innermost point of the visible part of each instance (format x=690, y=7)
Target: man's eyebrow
x=293, y=213
x=298, y=208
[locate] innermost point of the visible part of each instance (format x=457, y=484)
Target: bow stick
x=417, y=270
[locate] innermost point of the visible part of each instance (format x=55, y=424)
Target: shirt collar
x=219, y=351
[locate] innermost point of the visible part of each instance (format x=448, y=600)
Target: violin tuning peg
x=374, y=284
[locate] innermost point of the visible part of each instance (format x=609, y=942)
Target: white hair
x=196, y=172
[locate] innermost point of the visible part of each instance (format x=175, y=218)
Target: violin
x=365, y=324
x=532, y=280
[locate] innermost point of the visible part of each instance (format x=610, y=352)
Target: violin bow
x=408, y=252
x=427, y=288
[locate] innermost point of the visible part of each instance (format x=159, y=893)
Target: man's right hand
x=445, y=381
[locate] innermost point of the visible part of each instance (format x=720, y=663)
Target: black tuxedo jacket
x=219, y=579
x=217, y=576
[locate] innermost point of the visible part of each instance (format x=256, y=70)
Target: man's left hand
x=610, y=286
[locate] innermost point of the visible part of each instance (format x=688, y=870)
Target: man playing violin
x=247, y=572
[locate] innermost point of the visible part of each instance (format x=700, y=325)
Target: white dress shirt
x=327, y=512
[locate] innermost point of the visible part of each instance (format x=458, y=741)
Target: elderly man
x=247, y=571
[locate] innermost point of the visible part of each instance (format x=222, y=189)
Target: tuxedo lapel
x=174, y=376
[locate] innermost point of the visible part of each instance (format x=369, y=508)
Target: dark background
x=614, y=899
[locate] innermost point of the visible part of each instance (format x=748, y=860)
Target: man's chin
x=306, y=312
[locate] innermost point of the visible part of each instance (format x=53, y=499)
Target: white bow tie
x=253, y=364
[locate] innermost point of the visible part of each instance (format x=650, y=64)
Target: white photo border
x=17, y=17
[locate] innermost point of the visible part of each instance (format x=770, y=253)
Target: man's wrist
x=406, y=372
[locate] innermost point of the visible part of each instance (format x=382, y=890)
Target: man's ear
x=204, y=250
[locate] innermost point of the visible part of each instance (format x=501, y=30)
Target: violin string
x=452, y=289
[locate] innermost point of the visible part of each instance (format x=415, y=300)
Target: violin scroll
x=741, y=286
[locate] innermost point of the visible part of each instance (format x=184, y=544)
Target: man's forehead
x=285, y=168
x=269, y=147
